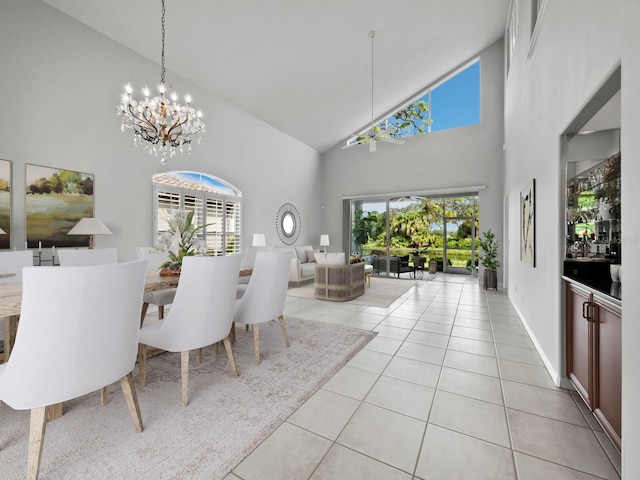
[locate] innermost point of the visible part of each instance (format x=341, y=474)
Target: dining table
x=11, y=302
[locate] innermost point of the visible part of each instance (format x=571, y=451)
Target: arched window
x=216, y=203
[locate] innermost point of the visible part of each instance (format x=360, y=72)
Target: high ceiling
x=303, y=66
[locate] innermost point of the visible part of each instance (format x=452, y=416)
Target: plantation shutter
x=193, y=203
x=232, y=224
x=167, y=201
x=215, y=224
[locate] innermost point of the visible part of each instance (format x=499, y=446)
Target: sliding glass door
x=442, y=230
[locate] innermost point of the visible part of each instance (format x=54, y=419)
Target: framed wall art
x=5, y=203
x=528, y=224
x=56, y=200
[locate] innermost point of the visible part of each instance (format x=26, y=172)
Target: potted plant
x=181, y=236
x=489, y=259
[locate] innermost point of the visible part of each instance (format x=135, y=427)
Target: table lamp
x=258, y=240
x=91, y=227
x=324, y=241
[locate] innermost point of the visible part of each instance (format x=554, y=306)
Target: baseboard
x=559, y=380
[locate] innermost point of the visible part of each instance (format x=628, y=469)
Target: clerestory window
x=451, y=103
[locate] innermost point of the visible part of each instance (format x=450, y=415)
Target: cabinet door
x=608, y=364
x=580, y=332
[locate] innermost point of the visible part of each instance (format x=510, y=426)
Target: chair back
x=14, y=262
x=202, y=311
x=86, y=257
x=154, y=257
x=250, y=255
x=79, y=330
x=266, y=292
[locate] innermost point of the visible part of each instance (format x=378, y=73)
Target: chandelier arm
x=143, y=126
x=173, y=134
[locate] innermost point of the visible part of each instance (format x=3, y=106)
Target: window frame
x=230, y=235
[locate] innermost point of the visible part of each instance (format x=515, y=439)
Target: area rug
x=227, y=417
x=382, y=292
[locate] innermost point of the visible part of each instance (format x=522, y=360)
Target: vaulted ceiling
x=303, y=66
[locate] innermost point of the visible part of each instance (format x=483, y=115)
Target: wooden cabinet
x=579, y=341
x=594, y=353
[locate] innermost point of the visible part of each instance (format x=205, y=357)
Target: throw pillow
x=330, y=258
x=311, y=256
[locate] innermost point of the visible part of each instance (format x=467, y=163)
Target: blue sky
x=456, y=102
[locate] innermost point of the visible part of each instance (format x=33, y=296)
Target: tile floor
x=451, y=388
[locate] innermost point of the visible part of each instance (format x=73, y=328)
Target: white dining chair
x=98, y=328
x=201, y=314
x=265, y=295
x=84, y=257
x=160, y=298
x=11, y=265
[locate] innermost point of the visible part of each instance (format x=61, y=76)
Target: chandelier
x=160, y=123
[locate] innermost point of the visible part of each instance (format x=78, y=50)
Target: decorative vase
x=170, y=272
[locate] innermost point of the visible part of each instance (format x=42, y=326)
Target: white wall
x=581, y=42
x=461, y=157
x=61, y=82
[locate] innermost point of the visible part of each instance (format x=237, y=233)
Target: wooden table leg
x=54, y=411
x=10, y=330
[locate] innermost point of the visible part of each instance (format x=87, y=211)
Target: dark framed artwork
x=528, y=224
x=5, y=203
x=56, y=199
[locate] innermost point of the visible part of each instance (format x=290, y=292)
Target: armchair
x=397, y=265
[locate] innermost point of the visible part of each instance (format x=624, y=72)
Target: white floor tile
x=450, y=455
x=289, y=452
x=389, y=437
x=402, y=397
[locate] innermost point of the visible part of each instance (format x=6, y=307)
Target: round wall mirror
x=288, y=224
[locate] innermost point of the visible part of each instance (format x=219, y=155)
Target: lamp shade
x=258, y=240
x=324, y=240
x=89, y=226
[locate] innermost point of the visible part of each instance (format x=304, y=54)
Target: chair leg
x=184, y=365
x=37, y=428
x=103, y=396
x=233, y=332
x=199, y=355
x=160, y=312
x=129, y=391
x=284, y=330
x=256, y=341
x=143, y=314
x=142, y=364
x=232, y=359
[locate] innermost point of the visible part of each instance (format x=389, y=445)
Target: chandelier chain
x=373, y=35
x=162, y=56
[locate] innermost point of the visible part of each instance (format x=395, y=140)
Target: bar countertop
x=613, y=290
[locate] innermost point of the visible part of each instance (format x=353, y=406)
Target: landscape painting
x=5, y=203
x=55, y=201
